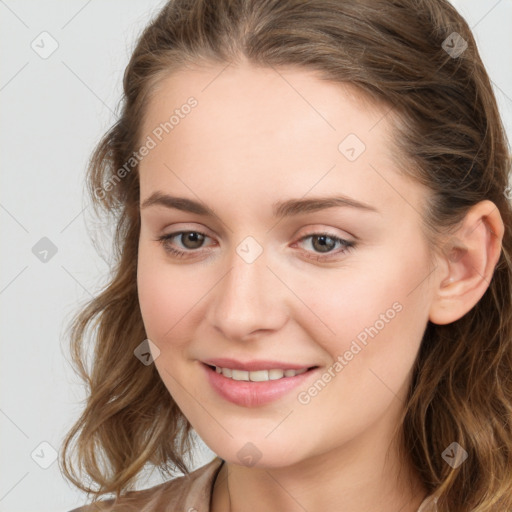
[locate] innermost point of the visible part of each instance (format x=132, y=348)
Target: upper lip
x=254, y=365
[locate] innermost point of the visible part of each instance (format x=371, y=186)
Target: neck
x=354, y=478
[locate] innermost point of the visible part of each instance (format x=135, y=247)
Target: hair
x=449, y=137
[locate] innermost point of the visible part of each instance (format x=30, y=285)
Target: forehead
x=270, y=128
x=255, y=99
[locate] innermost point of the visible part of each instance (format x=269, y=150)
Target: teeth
x=259, y=375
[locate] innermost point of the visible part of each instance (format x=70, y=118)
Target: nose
x=250, y=298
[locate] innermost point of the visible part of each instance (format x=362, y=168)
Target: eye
x=191, y=240
x=324, y=243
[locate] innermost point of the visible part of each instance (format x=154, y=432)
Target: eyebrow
x=280, y=209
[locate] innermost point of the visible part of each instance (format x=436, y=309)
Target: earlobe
x=467, y=263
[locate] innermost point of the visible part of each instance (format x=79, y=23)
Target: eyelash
x=165, y=241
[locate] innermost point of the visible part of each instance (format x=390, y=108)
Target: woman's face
x=258, y=157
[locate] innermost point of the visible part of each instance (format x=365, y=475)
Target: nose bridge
x=248, y=297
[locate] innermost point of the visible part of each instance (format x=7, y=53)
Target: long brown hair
x=450, y=138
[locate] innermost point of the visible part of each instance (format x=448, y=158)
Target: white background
x=53, y=112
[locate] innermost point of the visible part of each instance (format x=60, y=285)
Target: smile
x=259, y=375
x=257, y=387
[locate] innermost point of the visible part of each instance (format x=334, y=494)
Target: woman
x=314, y=265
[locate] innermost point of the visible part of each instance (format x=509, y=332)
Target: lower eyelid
x=337, y=253
x=346, y=245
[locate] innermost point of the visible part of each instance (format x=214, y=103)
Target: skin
x=258, y=136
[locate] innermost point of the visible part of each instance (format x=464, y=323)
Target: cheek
x=163, y=297
x=379, y=314
x=167, y=305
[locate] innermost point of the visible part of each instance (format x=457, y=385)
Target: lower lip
x=252, y=394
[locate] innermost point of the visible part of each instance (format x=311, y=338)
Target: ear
x=467, y=263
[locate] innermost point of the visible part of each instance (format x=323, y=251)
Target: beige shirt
x=190, y=493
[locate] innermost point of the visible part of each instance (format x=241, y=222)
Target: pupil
x=323, y=245
x=195, y=238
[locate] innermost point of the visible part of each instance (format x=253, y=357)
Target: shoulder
x=183, y=493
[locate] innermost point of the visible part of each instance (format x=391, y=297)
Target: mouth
x=262, y=375
x=258, y=387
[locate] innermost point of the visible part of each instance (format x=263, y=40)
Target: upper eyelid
x=182, y=232
x=315, y=230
